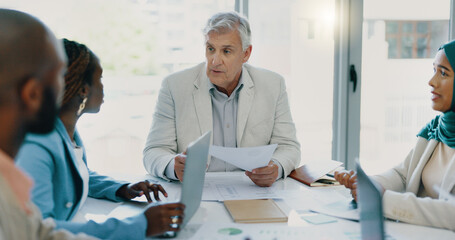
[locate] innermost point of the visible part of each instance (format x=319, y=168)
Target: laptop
x=370, y=203
x=197, y=155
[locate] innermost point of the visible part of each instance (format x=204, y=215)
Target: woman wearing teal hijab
x=421, y=189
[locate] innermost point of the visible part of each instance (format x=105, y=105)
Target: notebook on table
x=255, y=211
x=314, y=173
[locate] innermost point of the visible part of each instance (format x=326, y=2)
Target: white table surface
x=295, y=197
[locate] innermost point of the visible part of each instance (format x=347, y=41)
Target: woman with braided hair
x=57, y=163
x=84, y=72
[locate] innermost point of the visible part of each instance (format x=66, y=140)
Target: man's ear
x=247, y=54
x=31, y=94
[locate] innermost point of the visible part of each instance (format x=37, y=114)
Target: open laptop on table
x=370, y=203
x=197, y=155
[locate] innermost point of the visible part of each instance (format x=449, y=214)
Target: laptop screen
x=194, y=175
x=370, y=203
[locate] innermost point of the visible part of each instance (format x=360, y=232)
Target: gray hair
x=224, y=22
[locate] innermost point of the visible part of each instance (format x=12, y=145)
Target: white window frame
x=348, y=52
x=346, y=145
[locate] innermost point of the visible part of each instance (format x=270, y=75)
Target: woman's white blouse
x=83, y=172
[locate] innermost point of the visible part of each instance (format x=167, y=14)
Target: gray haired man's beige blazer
x=184, y=112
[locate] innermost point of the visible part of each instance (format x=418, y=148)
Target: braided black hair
x=81, y=66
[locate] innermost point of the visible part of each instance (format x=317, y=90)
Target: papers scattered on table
x=234, y=186
x=316, y=218
x=341, y=209
x=220, y=186
x=232, y=231
x=229, y=231
x=247, y=158
x=333, y=201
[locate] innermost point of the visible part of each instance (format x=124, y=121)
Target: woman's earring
x=81, y=107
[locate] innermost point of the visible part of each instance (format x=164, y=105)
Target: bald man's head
x=27, y=50
x=32, y=65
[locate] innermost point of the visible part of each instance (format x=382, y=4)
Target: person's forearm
x=170, y=170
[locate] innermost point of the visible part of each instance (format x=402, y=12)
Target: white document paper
x=247, y=158
x=341, y=209
x=231, y=231
x=334, y=202
x=234, y=186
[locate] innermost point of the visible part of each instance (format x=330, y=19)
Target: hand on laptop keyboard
x=164, y=218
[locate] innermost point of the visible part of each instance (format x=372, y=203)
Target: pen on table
x=330, y=175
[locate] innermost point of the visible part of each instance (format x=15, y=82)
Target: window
x=415, y=39
x=141, y=41
x=295, y=39
x=397, y=63
x=138, y=42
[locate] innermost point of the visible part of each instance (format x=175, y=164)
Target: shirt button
x=68, y=204
x=227, y=125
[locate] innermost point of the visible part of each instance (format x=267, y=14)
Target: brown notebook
x=314, y=173
x=255, y=211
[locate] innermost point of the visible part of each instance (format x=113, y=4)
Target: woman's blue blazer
x=51, y=162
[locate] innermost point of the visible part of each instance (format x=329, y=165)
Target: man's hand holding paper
x=264, y=176
x=255, y=160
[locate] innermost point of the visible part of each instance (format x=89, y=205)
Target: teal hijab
x=442, y=128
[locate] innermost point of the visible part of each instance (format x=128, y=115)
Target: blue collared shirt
x=224, y=115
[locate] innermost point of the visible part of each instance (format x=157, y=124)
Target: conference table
x=213, y=221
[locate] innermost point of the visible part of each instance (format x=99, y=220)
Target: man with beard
x=32, y=64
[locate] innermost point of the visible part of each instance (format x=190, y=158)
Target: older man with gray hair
x=242, y=105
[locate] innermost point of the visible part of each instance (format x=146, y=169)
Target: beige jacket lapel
x=203, y=102
x=448, y=182
x=246, y=97
x=414, y=181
